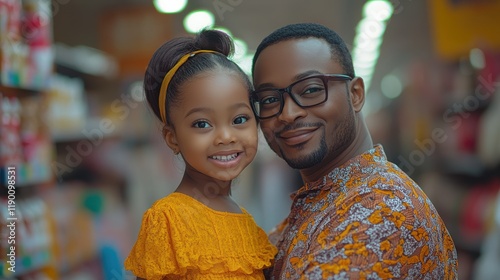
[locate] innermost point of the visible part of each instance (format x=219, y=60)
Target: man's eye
x=269, y=100
x=201, y=124
x=241, y=119
x=312, y=90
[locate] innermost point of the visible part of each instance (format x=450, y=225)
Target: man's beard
x=309, y=160
x=345, y=134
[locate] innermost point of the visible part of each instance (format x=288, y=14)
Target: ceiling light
x=380, y=10
x=365, y=57
x=368, y=39
x=225, y=30
x=367, y=81
x=476, y=58
x=365, y=43
x=240, y=49
x=169, y=6
x=197, y=20
x=137, y=91
x=365, y=73
x=245, y=63
x=391, y=86
x=372, y=28
x=366, y=68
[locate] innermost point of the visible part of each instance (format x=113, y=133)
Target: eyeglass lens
x=308, y=92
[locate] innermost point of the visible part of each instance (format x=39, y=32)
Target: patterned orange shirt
x=364, y=220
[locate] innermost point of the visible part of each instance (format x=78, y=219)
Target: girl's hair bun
x=214, y=40
x=169, y=54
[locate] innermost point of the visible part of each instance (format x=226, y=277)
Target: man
x=358, y=216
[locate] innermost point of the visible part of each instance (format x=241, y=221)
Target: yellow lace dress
x=181, y=238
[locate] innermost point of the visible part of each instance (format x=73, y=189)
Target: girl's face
x=214, y=127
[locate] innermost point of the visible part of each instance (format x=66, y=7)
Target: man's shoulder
x=384, y=185
x=389, y=177
x=387, y=169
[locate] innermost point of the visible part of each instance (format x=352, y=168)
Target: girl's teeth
x=225, y=158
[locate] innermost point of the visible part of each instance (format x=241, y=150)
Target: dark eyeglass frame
x=324, y=77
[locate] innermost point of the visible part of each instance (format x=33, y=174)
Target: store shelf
x=463, y=165
x=93, y=128
x=26, y=176
x=83, y=60
x=18, y=92
x=97, y=69
x=27, y=264
x=39, y=109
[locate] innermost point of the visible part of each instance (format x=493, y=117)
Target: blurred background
x=88, y=155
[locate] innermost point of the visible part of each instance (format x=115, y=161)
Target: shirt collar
x=355, y=166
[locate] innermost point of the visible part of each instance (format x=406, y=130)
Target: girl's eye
x=201, y=124
x=241, y=119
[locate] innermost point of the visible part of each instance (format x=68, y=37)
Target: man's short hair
x=340, y=52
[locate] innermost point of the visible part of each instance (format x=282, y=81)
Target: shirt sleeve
x=275, y=234
x=377, y=235
x=153, y=256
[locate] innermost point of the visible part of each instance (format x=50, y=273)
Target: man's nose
x=291, y=110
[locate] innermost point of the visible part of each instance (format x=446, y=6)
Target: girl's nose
x=225, y=136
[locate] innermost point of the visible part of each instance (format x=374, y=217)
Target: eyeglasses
x=307, y=92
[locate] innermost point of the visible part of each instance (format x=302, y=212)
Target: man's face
x=305, y=137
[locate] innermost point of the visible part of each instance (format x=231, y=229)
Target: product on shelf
x=66, y=106
x=23, y=142
x=74, y=228
x=36, y=27
x=33, y=240
x=26, y=57
x=26, y=65
x=10, y=139
x=489, y=132
x=36, y=143
x=5, y=245
x=10, y=25
x=10, y=59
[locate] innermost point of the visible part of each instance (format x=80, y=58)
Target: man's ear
x=357, y=92
x=171, y=138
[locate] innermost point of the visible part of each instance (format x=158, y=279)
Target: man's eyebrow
x=306, y=74
x=266, y=85
x=295, y=78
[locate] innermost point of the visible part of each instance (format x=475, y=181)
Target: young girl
x=199, y=232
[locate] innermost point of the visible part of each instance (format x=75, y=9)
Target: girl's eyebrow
x=198, y=109
x=240, y=105
x=210, y=110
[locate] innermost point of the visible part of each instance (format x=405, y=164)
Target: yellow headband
x=164, y=85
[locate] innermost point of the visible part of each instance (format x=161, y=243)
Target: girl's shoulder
x=174, y=205
x=180, y=202
x=172, y=201
x=170, y=216
x=179, y=211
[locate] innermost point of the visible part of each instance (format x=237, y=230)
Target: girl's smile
x=226, y=159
